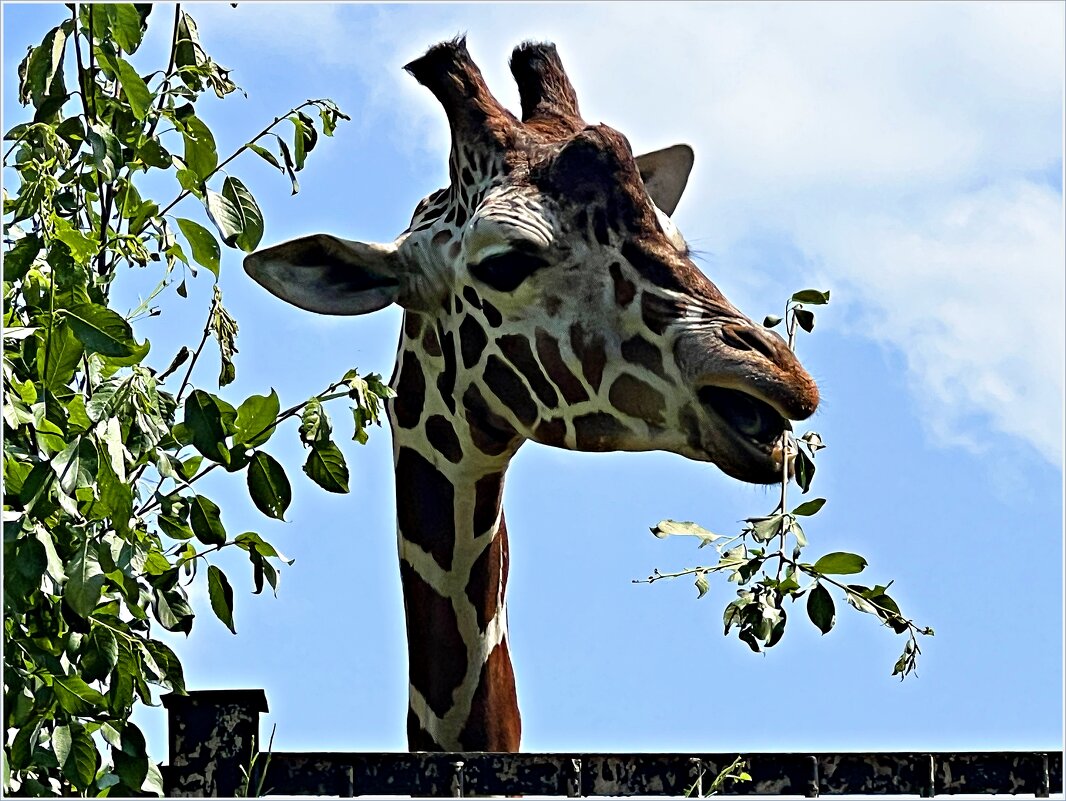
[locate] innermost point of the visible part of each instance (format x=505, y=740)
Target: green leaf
x=840, y=563
x=58, y=356
x=85, y=581
x=120, y=692
x=107, y=151
x=203, y=419
x=137, y=94
x=797, y=531
x=204, y=246
x=809, y=507
x=771, y=320
x=76, y=754
x=126, y=26
x=131, y=769
x=286, y=156
x=201, y=156
x=300, y=139
x=18, y=259
x=221, y=594
x=266, y=155
x=189, y=52
x=43, y=65
x=765, y=529
x=805, y=319
x=667, y=528
x=314, y=423
x=268, y=485
x=804, y=470
x=251, y=217
x=326, y=467
x=81, y=246
x=813, y=297
x=206, y=520
x=99, y=654
x=893, y=617
x=255, y=419
x=174, y=528
x=153, y=154
x=76, y=697
x=226, y=217
x=24, y=567
x=169, y=662
x=101, y=330
x=821, y=609
x=702, y=585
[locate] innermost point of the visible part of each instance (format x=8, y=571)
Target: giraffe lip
x=753, y=420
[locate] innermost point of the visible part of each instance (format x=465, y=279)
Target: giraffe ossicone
x=548, y=297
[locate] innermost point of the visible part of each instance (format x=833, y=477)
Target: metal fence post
x=213, y=734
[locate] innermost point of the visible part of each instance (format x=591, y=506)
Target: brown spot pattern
x=412, y=325
x=488, y=575
x=430, y=343
x=492, y=314
x=488, y=491
x=658, y=312
x=632, y=396
x=518, y=352
x=637, y=350
x=441, y=435
x=446, y=379
x=597, y=431
x=425, y=510
x=410, y=393
x=472, y=341
x=436, y=653
x=589, y=349
x=552, y=359
x=494, y=723
x=490, y=433
x=471, y=296
x=551, y=432
x=505, y=384
x=624, y=289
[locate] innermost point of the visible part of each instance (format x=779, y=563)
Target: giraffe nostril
x=743, y=337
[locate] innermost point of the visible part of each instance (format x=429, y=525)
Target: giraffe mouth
x=756, y=424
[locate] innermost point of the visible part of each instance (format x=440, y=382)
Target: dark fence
x=214, y=734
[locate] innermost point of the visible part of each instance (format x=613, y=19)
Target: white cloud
x=894, y=144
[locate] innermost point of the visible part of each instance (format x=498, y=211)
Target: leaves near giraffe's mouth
x=751, y=418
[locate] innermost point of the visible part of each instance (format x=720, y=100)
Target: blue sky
x=907, y=157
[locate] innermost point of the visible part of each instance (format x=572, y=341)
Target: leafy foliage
x=103, y=524
x=758, y=613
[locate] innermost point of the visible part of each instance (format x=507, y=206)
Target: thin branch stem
x=186, y=192
x=327, y=394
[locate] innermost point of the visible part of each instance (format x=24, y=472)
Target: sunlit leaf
x=326, y=467
x=204, y=246
x=840, y=563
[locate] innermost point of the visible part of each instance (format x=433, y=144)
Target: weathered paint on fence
x=211, y=741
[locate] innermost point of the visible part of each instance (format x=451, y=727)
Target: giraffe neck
x=450, y=469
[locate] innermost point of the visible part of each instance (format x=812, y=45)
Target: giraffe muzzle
x=748, y=416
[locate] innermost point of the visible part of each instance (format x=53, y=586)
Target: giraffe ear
x=665, y=173
x=329, y=275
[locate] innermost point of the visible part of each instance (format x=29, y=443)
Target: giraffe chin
x=747, y=446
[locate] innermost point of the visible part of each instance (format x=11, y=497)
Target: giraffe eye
x=505, y=271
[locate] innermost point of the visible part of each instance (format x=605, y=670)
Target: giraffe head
x=561, y=303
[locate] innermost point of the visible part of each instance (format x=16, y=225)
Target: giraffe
x=547, y=297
